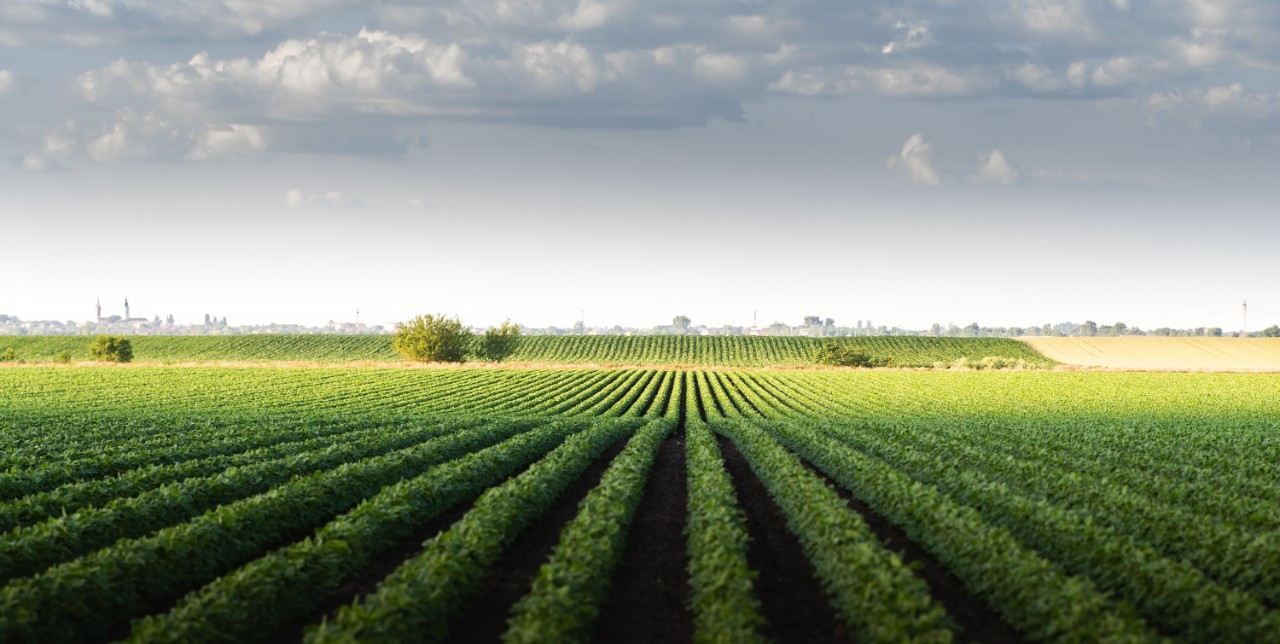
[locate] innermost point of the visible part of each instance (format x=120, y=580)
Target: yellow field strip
x=1163, y=354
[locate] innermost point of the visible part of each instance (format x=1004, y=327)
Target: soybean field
x=388, y=504
x=689, y=351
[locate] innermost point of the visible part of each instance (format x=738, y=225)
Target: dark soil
x=979, y=623
x=648, y=597
x=484, y=619
x=791, y=597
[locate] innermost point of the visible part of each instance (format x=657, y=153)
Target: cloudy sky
x=1010, y=162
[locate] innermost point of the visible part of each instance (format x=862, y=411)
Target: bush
x=8, y=355
x=499, y=342
x=835, y=354
x=432, y=338
x=62, y=357
x=111, y=348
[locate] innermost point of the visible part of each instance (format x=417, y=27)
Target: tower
x=98, y=307
x=126, y=308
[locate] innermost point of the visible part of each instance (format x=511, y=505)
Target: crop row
x=691, y=350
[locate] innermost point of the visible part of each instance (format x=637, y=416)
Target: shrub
x=8, y=355
x=432, y=338
x=62, y=357
x=111, y=348
x=499, y=342
x=835, y=354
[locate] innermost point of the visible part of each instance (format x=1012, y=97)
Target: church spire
x=126, y=307
x=98, y=307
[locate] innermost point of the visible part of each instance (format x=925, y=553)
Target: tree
x=111, y=348
x=680, y=323
x=1272, y=331
x=812, y=320
x=832, y=352
x=432, y=338
x=1089, y=328
x=499, y=342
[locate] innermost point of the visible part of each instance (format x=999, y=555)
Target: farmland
x=336, y=504
x=703, y=351
x=1167, y=354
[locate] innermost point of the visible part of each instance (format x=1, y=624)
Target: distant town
x=810, y=326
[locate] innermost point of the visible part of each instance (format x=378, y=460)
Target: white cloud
x=1227, y=101
x=1054, y=16
x=897, y=82
x=231, y=143
x=297, y=200
x=57, y=146
x=1044, y=80
x=912, y=35
x=7, y=81
x=916, y=161
x=996, y=171
x=721, y=68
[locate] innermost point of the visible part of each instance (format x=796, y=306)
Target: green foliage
x=416, y=601
x=723, y=599
x=111, y=348
x=499, y=342
x=570, y=588
x=987, y=362
x=8, y=355
x=725, y=351
x=836, y=354
x=62, y=357
x=1090, y=506
x=432, y=338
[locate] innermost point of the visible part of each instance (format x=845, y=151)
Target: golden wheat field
x=1163, y=354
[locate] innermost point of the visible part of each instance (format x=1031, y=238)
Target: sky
x=1005, y=162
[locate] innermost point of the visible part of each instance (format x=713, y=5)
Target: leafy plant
x=62, y=357
x=8, y=355
x=111, y=348
x=432, y=338
x=499, y=342
x=836, y=354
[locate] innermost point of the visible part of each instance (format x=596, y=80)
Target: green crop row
x=724, y=604
x=1033, y=594
x=29, y=550
x=80, y=599
x=417, y=600
x=269, y=592
x=729, y=351
x=569, y=589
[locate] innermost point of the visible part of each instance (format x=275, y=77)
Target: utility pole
x=1244, y=326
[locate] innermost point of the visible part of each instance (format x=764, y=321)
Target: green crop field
x=728, y=351
x=384, y=504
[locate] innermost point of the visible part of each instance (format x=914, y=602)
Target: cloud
x=996, y=171
x=233, y=142
x=7, y=81
x=392, y=67
x=297, y=200
x=895, y=82
x=916, y=161
x=57, y=146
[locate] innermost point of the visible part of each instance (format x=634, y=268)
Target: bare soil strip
x=648, y=597
x=791, y=597
x=978, y=621
x=485, y=618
